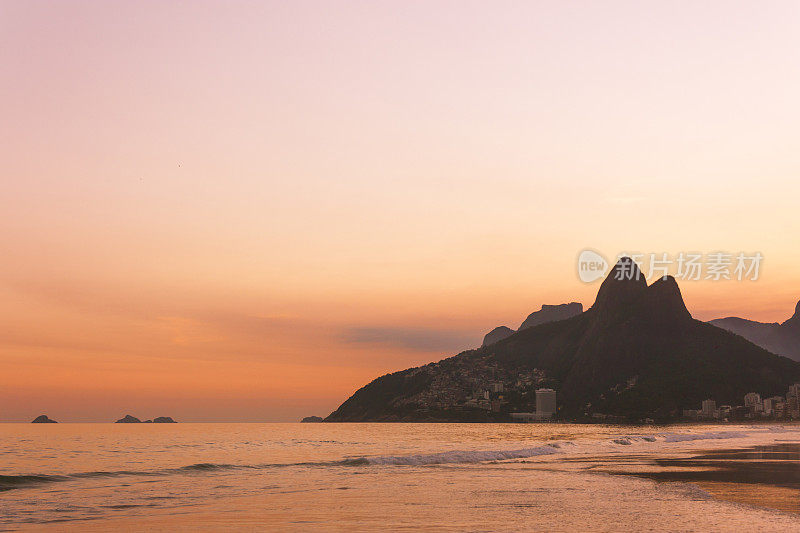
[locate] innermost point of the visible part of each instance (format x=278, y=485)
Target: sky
x=245, y=211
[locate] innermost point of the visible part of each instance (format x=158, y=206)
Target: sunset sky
x=247, y=210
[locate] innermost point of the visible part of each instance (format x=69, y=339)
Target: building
x=792, y=407
x=771, y=405
x=709, y=409
x=794, y=390
x=793, y=401
x=545, y=403
x=752, y=400
x=496, y=387
x=523, y=417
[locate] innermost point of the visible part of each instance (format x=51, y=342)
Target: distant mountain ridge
x=780, y=338
x=551, y=313
x=548, y=313
x=636, y=353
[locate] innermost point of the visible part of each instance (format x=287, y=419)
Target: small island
x=128, y=419
x=312, y=419
x=43, y=419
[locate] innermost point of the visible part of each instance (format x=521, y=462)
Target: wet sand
x=764, y=476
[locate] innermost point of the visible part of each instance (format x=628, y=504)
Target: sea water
x=377, y=477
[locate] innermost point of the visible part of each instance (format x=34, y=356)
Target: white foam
x=454, y=457
x=656, y=442
x=684, y=437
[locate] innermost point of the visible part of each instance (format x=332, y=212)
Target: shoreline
x=764, y=476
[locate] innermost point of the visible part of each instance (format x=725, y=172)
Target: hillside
x=636, y=353
x=780, y=338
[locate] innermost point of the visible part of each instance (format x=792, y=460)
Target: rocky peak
x=665, y=300
x=793, y=324
x=624, y=293
x=128, y=419
x=623, y=286
x=496, y=335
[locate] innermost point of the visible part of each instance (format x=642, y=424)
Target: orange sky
x=245, y=211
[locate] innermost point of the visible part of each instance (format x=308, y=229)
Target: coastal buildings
x=545, y=403
x=545, y=407
x=709, y=409
x=752, y=400
x=772, y=408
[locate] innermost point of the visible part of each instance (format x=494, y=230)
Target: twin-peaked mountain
x=636, y=353
x=782, y=339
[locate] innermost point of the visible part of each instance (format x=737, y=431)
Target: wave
x=9, y=482
x=21, y=481
x=685, y=437
x=26, y=480
x=13, y=482
x=456, y=457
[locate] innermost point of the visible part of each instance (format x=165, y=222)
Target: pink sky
x=247, y=210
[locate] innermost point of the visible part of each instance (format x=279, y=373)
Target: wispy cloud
x=416, y=339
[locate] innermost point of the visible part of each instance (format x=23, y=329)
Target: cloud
x=415, y=339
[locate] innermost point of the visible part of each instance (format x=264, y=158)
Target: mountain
x=311, y=419
x=552, y=313
x=783, y=339
x=164, y=420
x=636, y=353
x=548, y=313
x=43, y=419
x=496, y=335
x=128, y=419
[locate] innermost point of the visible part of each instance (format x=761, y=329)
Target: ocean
x=379, y=477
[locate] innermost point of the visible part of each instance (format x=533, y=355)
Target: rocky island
x=130, y=419
x=43, y=419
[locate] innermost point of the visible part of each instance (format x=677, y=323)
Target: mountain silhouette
x=548, y=313
x=551, y=313
x=635, y=353
x=496, y=335
x=782, y=339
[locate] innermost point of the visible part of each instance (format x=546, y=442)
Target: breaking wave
x=10, y=482
x=684, y=437
x=456, y=457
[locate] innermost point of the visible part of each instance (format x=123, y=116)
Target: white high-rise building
x=709, y=409
x=545, y=403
